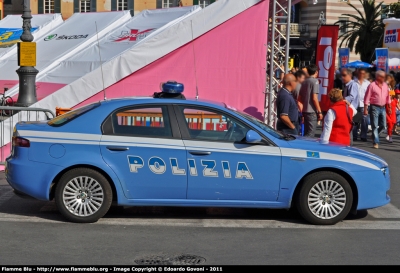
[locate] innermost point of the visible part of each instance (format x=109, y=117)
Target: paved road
x=33, y=232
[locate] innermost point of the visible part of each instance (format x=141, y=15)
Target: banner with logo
x=145, y=24
x=391, y=38
x=71, y=66
x=344, y=55
x=10, y=36
x=68, y=39
x=325, y=60
x=382, y=59
x=10, y=30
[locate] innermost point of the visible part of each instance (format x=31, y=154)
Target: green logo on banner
x=50, y=37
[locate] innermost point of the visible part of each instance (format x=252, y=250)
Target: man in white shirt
x=363, y=84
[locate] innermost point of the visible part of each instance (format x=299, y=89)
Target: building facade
x=305, y=21
x=68, y=7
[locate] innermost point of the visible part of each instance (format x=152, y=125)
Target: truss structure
x=277, y=54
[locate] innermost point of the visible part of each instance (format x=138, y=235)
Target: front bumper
x=31, y=178
x=372, y=187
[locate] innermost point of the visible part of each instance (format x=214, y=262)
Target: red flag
x=325, y=60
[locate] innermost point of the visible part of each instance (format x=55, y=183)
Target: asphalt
x=33, y=232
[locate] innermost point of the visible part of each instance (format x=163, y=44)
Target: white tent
x=141, y=27
x=67, y=40
x=11, y=30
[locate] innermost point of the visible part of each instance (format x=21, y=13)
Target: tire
x=325, y=198
x=83, y=195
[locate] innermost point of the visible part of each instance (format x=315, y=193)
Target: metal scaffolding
x=277, y=53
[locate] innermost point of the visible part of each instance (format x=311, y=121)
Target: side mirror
x=253, y=137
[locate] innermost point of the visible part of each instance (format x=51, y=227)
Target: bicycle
x=6, y=101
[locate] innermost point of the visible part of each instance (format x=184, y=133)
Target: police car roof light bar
x=172, y=87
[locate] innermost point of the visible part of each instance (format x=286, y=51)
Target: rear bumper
x=31, y=178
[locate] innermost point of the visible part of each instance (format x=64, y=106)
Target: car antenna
x=101, y=63
x=194, y=58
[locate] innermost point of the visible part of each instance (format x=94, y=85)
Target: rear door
x=142, y=144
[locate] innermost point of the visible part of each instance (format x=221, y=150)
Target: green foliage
x=364, y=31
x=394, y=8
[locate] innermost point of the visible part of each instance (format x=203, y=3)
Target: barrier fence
x=9, y=116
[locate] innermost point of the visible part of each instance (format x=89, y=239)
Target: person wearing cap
x=391, y=116
x=338, y=121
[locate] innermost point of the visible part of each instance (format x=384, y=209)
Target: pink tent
x=229, y=61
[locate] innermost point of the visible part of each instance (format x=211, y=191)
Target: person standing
x=338, y=120
x=337, y=83
x=377, y=97
x=350, y=94
x=287, y=107
x=300, y=76
x=391, y=115
x=308, y=97
x=397, y=111
x=350, y=88
x=363, y=84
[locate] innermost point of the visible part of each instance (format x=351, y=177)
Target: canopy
x=66, y=40
x=11, y=30
x=358, y=64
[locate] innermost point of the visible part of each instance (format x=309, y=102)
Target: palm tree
x=364, y=31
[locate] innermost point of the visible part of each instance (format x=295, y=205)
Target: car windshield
x=260, y=124
x=63, y=119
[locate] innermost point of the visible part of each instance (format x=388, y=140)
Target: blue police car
x=169, y=151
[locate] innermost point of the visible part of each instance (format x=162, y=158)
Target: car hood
x=313, y=145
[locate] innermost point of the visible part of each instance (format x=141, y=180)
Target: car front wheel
x=83, y=195
x=325, y=198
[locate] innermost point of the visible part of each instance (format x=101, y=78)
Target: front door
x=221, y=165
x=146, y=153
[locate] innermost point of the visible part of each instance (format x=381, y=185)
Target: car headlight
x=384, y=170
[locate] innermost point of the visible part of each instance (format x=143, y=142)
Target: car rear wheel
x=325, y=198
x=83, y=195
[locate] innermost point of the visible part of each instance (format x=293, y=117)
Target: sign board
x=327, y=38
x=27, y=54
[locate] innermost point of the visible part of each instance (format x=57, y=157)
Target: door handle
x=199, y=153
x=117, y=148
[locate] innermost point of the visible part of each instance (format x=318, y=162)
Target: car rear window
x=67, y=117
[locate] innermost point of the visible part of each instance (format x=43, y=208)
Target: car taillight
x=20, y=142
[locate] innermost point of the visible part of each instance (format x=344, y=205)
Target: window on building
x=204, y=3
x=84, y=5
x=167, y=4
x=122, y=4
x=48, y=6
x=343, y=23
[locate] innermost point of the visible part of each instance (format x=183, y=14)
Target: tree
x=391, y=10
x=364, y=31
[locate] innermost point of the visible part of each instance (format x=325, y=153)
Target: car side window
x=205, y=124
x=142, y=122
